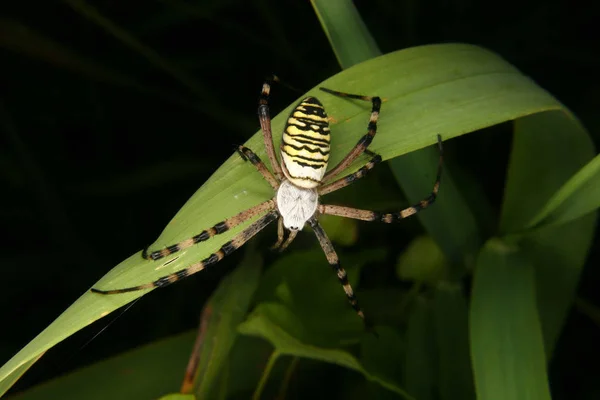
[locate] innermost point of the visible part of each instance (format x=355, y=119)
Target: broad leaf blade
x=506, y=336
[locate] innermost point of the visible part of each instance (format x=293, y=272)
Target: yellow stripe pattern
x=306, y=144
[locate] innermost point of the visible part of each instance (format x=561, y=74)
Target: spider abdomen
x=306, y=144
x=296, y=205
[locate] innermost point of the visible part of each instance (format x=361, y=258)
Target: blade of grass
x=348, y=35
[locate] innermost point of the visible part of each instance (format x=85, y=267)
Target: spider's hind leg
x=226, y=249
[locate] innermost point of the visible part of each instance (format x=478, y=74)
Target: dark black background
x=100, y=147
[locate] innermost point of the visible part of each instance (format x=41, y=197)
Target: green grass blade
x=506, y=338
x=578, y=197
x=445, y=88
x=348, y=35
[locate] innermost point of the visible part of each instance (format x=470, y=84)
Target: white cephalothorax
x=296, y=205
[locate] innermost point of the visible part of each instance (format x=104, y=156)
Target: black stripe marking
x=221, y=227
x=307, y=165
x=323, y=141
x=201, y=237
x=310, y=121
x=300, y=140
x=317, y=150
x=322, y=162
x=228, y=248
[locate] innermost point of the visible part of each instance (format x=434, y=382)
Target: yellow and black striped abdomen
x=305, y=145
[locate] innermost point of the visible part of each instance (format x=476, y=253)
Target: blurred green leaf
x=225, y=310
x=451, y=316
x=539, y=159
x=343, y=231
x=283, y=338
x=422, y=261
x=305, y=283
x=539, y=166
x=578, y=197
x=421, y=360
x=178, y=396
x=507, y=347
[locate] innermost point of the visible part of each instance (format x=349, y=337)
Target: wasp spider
x=298, y=181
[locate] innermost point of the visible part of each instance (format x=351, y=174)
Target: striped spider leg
x=367, y=215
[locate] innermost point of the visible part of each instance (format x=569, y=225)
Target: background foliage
x=114, y=115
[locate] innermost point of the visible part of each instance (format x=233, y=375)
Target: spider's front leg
x=248, y=155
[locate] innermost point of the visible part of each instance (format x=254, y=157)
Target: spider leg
x=217, y=229
x=280, y=245
x=349, y=179
x=365, y=141
x=249, y=155
x=289, y=240
x=280, y=234
x=214, y=258
x=265, y=124
x=334, y=261
x=367, y=215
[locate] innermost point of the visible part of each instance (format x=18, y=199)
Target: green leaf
x=578, y=197
x=422, y=262
x=421, y=359
x=225, y=310
x=507, y=347
x=348, y=35
x=178, y=396
x=451, y=316
x=539, y=166
x=540, y=160
x=261, y=324
x=144, y=373
x=452, y=89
